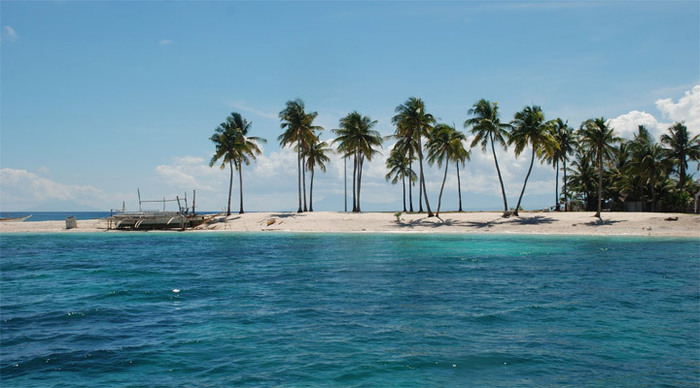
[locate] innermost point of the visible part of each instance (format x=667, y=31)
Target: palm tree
x=443, y=146
x=680, y=148
x=299, y=130
x=405, y=148
x=583, y=179
x=529, y=128
x=412, y=123
x=650, y=163
x=566, y=142
x=356, y=138
x=399, y=166
x=488, y=129
x=235, y=148
x=598, y=138
x=315, y=155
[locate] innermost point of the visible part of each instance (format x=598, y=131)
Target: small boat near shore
x=185, y=217
x=14, y=219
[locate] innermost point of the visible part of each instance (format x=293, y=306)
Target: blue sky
x=99, y=98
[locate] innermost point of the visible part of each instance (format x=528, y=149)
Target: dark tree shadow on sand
x=601, y=222
x=536, y=220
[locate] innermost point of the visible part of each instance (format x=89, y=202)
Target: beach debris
x=271, y=221
x=71, y=223
x=671, y=219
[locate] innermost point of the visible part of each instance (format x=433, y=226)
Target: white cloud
x=627, y=125
x=9, y=34
x=686, y=109
x=240, y=105
x=164, y=42
x=190, y=172
x=22, y=189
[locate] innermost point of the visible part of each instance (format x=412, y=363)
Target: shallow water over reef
x=348, y=310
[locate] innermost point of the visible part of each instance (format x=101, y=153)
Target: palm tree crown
x=680, y=148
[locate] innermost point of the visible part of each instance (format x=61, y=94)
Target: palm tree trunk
x=354, y=184
x=403, y=186
x=240, y=184
x=303, y=177
x=459, y=188
x=681, y=177
x=230, y=188
x=422, y=177
x=410, y=183
x=566, y=196
x=557, y=207
x=532, y=161
x=600, y=182
x=299, y=175
x=442, y=187
x=359, y=182
x=500, y=178
x=311, y=192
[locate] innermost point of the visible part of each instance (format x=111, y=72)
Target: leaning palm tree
x=488, y=129
x=405, y=149
x=596, y=136
x=299, y=130
x=234, y=147
x=680, y=148
x=357, y=139
x=529, y=128
x=412, y=123
x=443, y=146
x=566, y=143
x=315, y=155
x=399, y=166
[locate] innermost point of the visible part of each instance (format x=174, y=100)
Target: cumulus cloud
x=191, y=172
x=627, y=125
x=22, y=189
x=686, y=109
x=9, y=34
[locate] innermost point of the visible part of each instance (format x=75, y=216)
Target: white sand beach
x=572, y=223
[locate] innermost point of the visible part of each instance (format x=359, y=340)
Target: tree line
x=604, y=171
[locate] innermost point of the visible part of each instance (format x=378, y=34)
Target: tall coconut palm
x=412, y=123
x=529, y=128
x=299, y=130
x=489, y=130
x=650, y=163
x=315, y=155
x=234, y=147
x=357, y=139
x=399, y=166
x=596, y=136
x=404, y=147
x=680, y=148
x=444, y=144
x=566, y=143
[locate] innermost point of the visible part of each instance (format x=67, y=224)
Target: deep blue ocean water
x=404, y=310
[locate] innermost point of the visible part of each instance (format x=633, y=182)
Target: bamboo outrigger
x=181, y=219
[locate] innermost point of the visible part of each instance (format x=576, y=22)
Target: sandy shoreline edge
x=554, y=223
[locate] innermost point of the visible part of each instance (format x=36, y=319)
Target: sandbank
x=542, y=223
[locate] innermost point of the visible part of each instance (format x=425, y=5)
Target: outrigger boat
x=149, y=220
x=14, y=219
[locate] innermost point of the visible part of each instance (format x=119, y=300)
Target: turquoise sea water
x=181, y=309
